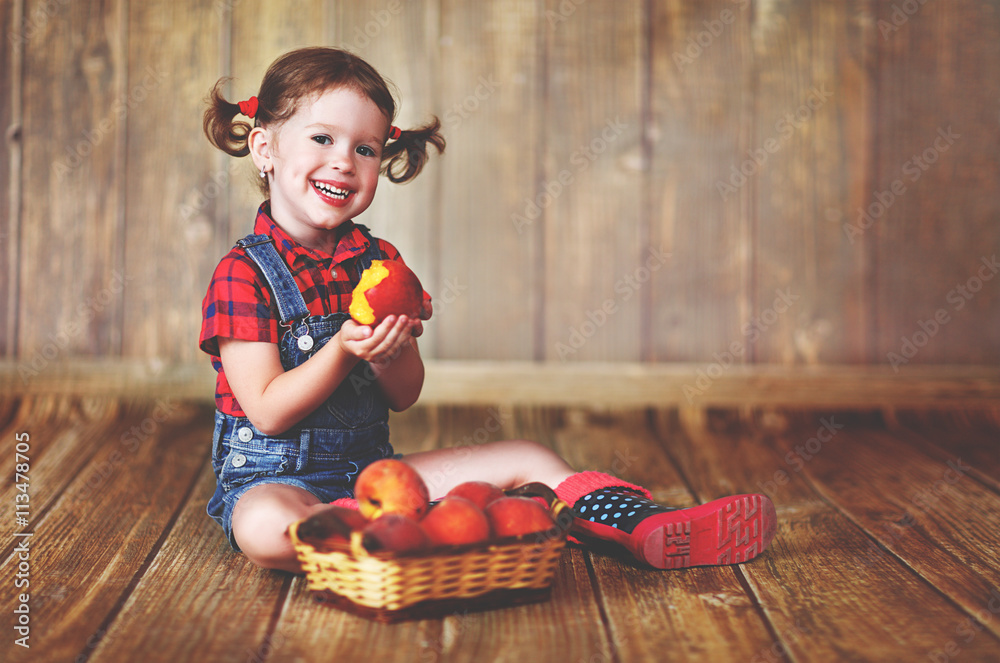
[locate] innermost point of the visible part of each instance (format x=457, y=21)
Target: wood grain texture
x=202, y=575
x=592, y=180
x=578, y=384
x=72, y=182
x=612, y=384
x=936, y=419
x=171, y=68
x=701, y=117
x=940, y=147
x=63, y=436
x=491, y=97
x=309, y=631
x=930, y=513
x=808, y=585
x=8, y=415
x=87, y=549
x=809, y=161
x=11, y=58
x=876, y=210
x=128, y=567
x=975, y=443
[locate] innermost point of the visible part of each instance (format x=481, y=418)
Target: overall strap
x=373, y=252
x=291, y=305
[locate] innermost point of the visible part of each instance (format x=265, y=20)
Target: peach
x=386, y=288
x=456, y=521
x=480, y=493
x=394, y=532
x=326, y=529
x=391, y=486
x=514, y=516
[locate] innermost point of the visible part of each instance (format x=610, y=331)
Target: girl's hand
x=381, y=344
x=392, y=353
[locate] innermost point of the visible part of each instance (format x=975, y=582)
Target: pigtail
x=220, y=124
x=404, y=158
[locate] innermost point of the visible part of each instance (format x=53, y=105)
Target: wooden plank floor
x=888, y=545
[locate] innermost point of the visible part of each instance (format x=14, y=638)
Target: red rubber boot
x=729, y=530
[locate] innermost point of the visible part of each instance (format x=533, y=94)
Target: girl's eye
x=366, y=151
x=323, y=140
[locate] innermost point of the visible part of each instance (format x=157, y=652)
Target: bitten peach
x=386, y=288
x=391, y=486
x=456, y=521
x=480, y=493
x=514, y=516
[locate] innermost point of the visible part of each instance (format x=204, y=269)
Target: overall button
x=305, y=343
x=333, y=272
x=245, y=435
x=239, y=460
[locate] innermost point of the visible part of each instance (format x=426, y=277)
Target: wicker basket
x=392, y=586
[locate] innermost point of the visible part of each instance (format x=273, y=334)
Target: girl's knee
x=260, y=532
x=260, y=527
x=266, y=552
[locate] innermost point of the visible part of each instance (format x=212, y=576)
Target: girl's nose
x=342, y=161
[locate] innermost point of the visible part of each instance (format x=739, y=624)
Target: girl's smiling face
x=323, y=164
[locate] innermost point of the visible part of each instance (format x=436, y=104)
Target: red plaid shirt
x=239, y=303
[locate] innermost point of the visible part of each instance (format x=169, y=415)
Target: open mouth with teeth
x=330, y=192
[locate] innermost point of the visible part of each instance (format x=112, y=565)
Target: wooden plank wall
x=591, y=205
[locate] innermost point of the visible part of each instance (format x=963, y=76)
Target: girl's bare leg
x=261, y=519
x=507, y=464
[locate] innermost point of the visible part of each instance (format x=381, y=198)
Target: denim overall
x=324, y=452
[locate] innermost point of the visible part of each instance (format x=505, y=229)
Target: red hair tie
x=394, y=132
x=249, y=107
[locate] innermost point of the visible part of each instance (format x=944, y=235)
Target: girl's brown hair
x=311, y=71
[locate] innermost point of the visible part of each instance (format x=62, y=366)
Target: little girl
x=298, y=412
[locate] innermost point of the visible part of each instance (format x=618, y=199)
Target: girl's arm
x=399, y=370
x=274, y=399
x=402, y=377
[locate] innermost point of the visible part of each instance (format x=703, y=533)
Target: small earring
x=263, y=173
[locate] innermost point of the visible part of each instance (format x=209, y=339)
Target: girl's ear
x=259, y=142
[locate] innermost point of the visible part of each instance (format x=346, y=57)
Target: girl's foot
x=729, y=530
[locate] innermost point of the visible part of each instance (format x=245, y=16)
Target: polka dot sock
x=591, y=493
x=621, y=508
x=728, y=530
